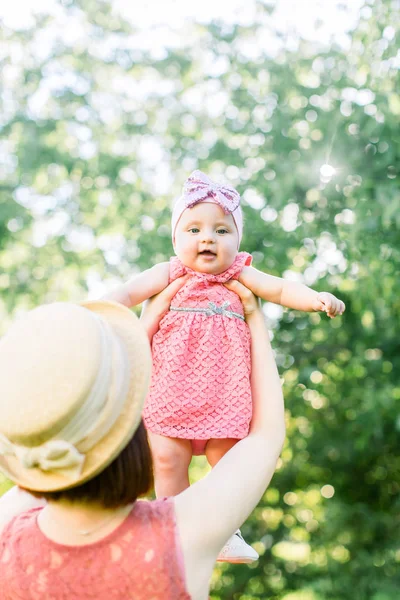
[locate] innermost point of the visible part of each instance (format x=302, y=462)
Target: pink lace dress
x=200, y=386
x=140, y=560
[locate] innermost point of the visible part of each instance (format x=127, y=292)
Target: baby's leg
x=216, y=449
x=171, y=459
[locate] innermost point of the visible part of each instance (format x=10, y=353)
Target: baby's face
x=206, y=239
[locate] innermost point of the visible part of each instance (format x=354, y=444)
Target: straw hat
x=73, y=379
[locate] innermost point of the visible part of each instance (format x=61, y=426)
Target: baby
x=200, y=398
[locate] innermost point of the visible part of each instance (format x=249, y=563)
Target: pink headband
x=199, y=188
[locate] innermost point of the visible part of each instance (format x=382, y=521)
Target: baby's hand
x=330, y=304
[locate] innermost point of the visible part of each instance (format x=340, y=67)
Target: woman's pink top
x=139, y=560
x=200, y=386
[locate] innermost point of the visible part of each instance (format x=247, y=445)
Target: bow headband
x=200, y=188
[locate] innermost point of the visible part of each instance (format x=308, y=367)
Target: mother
x=72, y=384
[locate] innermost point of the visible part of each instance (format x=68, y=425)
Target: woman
x=72, y=384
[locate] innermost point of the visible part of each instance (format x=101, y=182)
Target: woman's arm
x=211, y=510
x=289, y=293
x=141, y=287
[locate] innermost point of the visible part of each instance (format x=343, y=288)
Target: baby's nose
x=208, y=236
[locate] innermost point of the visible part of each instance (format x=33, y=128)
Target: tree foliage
x=97, y=137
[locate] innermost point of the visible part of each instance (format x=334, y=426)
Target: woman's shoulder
x=161, y=509
x=154, y=519
x=17, y=504
x=12, y=528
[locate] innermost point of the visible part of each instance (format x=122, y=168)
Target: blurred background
x=106, y=107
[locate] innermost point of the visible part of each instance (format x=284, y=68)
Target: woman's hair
x=129, y=476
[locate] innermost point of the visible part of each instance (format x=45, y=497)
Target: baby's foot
x=236, y=550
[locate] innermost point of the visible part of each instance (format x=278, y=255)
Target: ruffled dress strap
x=176, y=268
x=243, y=259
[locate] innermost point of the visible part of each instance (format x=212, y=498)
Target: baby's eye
x=222, y=230
x=194, y=230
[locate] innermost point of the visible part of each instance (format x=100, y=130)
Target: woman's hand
x=156, y=307
x=249, y=300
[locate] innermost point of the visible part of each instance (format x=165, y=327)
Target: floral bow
x=199, y=187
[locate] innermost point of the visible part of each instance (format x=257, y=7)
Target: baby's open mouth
x=207, y=253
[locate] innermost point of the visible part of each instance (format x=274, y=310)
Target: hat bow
x=54, y=455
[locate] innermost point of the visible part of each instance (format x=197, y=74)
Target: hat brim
x=131, y=333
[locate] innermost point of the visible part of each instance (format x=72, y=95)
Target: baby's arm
x=289, y=293
x=142, y=286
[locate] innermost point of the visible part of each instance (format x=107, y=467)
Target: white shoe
x=236, y=550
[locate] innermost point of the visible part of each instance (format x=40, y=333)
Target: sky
x=316, y=20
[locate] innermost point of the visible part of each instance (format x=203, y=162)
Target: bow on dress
x=199, y=187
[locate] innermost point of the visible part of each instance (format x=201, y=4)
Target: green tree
x=98, y=136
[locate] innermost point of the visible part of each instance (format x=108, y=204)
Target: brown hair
x=129, y=476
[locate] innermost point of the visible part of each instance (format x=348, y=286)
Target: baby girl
x=200, y=399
